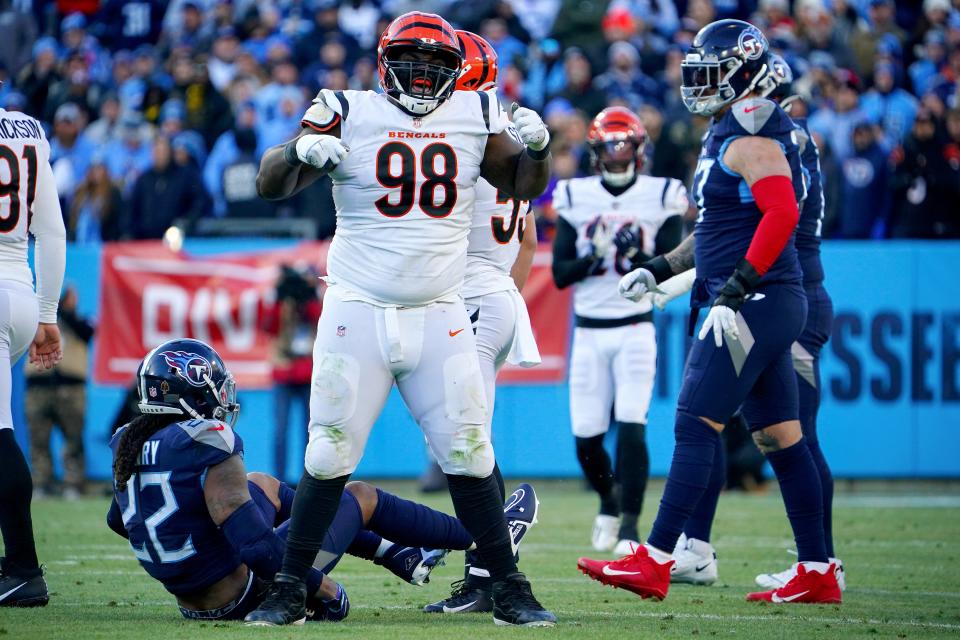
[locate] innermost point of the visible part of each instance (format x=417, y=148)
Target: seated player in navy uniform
x=199, y=524
x=748, y=182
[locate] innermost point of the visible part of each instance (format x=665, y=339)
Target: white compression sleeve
x=51, y=250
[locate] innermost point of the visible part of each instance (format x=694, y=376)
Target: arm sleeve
x=46, y=225
x=775, y=198
x=568, y=269
x=669, y=235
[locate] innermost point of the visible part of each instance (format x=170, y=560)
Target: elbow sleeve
x=254, y=540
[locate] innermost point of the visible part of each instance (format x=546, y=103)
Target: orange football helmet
x=431, y=62
x=480, y=68
x=617, y=140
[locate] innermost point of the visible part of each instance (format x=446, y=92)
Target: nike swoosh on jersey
x=454, y=333
x=751, y=109
x=607, y=571
x=776, y=598
x=220, y=428
x=16, y=588
x=447, y=609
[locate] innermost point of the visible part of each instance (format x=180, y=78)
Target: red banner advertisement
x=150, y=294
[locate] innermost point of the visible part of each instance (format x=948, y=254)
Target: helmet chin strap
x=619, y=178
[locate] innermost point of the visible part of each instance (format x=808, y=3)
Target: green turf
x=901, y=555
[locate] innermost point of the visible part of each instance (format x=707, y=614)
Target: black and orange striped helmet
x=480, y=67
x=418, y=84
x=617, y=139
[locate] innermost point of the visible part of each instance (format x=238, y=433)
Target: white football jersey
x=405, y=193
x=29, y=204
x=591, y=209
x=494, y=241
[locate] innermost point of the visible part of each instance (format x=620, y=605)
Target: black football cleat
x=285, y=604
x=515, y=605
x=22, y=588
x=464, y=598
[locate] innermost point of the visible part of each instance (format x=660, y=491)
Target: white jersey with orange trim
x=29, y=205
x=405, y=194
x=587, y=205
x=494, y=241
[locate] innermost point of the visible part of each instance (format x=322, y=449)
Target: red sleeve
x=778, y=204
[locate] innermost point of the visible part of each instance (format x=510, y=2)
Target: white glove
x=601, y=240
x=321, y=151
x=721, y=320
x=637, y=284
x=674, y=288
x=530, y=127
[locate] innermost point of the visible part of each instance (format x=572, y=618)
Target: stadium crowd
x=158, y=112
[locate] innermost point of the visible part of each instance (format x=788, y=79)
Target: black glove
x=735, y=291
x=627, y=241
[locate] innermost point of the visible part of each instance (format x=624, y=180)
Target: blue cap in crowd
x=45, y=44
x=192, y=143
x=73, y=21
x=172, y=109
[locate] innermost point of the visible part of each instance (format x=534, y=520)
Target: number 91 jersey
x=405, y=193
x=598, y=215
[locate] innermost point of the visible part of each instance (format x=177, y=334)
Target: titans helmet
x=726, y=61
x=187, y=377
x=777, y=84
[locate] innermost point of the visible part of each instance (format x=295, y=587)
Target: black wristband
x=541, y=155
x=660, y=268
x=290, y=153
x=736, y=289
x=747, y=275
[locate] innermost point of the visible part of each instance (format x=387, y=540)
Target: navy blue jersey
x=811, y=211
x=728, y=214
x=163, y=507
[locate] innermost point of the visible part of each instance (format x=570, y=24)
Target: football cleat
x=605, y=530
x=285, y=604
x=806, y=587
x=638, y=573
x=520, y=510
x=626, y=547
x=463, y=599
x=515, y=605
x=777, y=580
x=22, y=588
x=412, y=564
x=694, y=563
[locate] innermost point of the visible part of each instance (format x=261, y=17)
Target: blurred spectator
x=358, y=18
x=537, y=16
x=163, y=194
x=128, y=152
x=35, y=80
x=624, y=82
x=866, y=201
x=931, y=59
x=96, y=207
x=189, y=150
x=927, y=183
x=57, y=397
x=207, y=110
x=660, y=16
x=579, y=88
x=222, y=63
x=18, y=31
x=70, y=151
x=507, y=47
x=834, y=122
x=869, y=33
x=172, y=114
x=235, y=148
x=888, y=105
x=576, y=24
x=293, y=323
x=74, y=86
x=122, y=24
x=104, y=128
x=191, y=31
x=545, y=74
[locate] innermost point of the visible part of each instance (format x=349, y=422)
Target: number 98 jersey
x=405, y=193
x=164, y=510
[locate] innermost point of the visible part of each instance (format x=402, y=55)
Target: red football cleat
x=810, y=587
x=637, y=572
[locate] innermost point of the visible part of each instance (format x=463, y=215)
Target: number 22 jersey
x=405, y=194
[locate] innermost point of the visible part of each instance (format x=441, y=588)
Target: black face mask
x=246, y=139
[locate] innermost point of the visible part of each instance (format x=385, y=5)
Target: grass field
x=901, y=553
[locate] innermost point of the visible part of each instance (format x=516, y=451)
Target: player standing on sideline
x=608, y=225
x=28, y=204
x=404, y=165
x=748, y=181
x=223, y=530
x=501, y=245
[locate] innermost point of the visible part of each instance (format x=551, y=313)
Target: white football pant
x=19, y=314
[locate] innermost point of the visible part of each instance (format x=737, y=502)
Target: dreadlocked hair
x=131, y=443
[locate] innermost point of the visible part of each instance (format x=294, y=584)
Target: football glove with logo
x=531, y=128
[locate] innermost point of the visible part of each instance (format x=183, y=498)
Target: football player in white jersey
x=404, y=165
x=609, y=223
x=28, y=321
x=501, y=245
